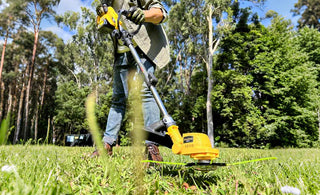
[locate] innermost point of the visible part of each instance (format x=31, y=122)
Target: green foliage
x=68, y=170
x=70, y=102
x=39, y=9
x=309, y=12
x=290, y=81
x=86, y=67
x=189, y=37
x=265, y=80
x=11, y=16
x=265, y=88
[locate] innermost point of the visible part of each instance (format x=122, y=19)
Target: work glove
x=106, y=27
x=136, y=15
x=101, y=9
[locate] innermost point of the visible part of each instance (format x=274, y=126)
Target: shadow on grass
x=190, y=175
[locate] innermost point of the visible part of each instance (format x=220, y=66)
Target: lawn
x=41, y=169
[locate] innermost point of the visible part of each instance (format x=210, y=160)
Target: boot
x=108, y=149
x=153, y=152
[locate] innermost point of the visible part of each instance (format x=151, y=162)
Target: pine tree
x=10, y=18
x=309, y=10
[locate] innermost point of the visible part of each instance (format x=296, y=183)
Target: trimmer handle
x=127, y=13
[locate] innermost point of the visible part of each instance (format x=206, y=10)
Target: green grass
x=69, y=170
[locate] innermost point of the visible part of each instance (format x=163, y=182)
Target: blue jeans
x=125, y=64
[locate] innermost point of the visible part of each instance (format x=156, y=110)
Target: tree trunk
x=32, y=126
x=15, y=90
x=212, y=48
x=54, y=132
x=209, y=72
x=9, y=101
x=2, y=99
x=1, y=68
x=39, y=107
x=29, y=86
x=19, y=114
x=48, y=131
x=181, y=78
x=209, y=111
x=16, y=134
x=44, y=85
x=36, y=123
x=3, y=52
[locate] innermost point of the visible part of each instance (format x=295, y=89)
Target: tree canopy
x=309, y=11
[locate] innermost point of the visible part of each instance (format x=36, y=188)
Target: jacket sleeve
x=148, y=4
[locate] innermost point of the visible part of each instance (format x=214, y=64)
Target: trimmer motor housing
x=198, y=146
x=195, y=145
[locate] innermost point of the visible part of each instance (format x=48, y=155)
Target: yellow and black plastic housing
x=195, y=145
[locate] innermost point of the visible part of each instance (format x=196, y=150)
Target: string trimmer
x=164, y=132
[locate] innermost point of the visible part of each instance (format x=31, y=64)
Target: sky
x=64, y=6
x=283, y=7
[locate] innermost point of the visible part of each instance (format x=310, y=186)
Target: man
x=152, y=46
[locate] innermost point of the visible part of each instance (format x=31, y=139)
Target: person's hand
x=103, y=26
x=136, y=15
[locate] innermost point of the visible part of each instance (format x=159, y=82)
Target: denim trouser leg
x=151, y=111
x=125, y=64
x=118, y=104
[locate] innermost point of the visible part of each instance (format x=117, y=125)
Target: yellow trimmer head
x=195, y=145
